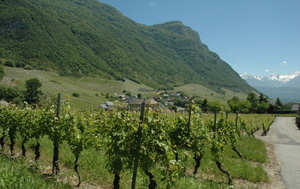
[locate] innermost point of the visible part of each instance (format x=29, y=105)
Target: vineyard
x=123, y=149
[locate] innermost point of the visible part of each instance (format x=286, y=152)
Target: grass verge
x=16, y=175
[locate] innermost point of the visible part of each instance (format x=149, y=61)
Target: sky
x=258, y=37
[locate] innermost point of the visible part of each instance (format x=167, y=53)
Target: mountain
x=285, y=87
x=295, y=82
x=87, y=37
x=273, y=80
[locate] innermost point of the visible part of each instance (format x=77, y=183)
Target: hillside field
x=92, y=90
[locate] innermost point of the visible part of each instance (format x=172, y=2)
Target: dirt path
x=285, y=136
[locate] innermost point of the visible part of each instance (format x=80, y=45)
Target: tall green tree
x=278, y=102
x=244, y=106
x=238, y=106
x=262, y=107
x=204, y=105
x=32, y=93
x=139, y=95
x=262, y=98
x=234, y=104
x=253, y=99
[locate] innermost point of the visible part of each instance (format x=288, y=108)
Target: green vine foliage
x=154, y=141
x=156, y=145
x=121, y=143
x=225, y=132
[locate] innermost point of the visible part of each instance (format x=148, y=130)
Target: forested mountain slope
x=87, y=37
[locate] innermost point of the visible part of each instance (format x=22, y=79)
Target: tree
x=9, y=93
x=128, y=94
x=253, y=99
x=139, y=96
x=272, y=108
x=234, y=104
x=214, y=106
x=181, y=103
x=262, y=107
x=32, y=93
x=204, y=105
x=278, y=102
x=244, y=106
x=262, y=98
x=75, y=95
x=198, y=102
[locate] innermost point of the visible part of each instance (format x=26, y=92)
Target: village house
x=135, y=104
x=107, y=105
x=180, y=110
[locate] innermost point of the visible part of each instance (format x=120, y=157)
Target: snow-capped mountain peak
x=272, y=77
x=286, y=78
x=285, y=87
x=259, y=77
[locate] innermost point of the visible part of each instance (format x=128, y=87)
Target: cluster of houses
x=164, y=102
x=155, y=103
x=132, y=104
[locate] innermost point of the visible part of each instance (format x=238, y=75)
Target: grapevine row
x=129, y=139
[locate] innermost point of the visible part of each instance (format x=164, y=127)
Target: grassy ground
x=17, y=175
x=203, y=92
x=92, y=90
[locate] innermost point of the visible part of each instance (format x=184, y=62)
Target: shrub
x=75, y=95
x=9, y=63
x=27, y=67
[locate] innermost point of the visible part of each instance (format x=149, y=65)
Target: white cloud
x=267, y=70
x=283, y=63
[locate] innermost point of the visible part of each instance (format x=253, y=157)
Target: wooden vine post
x=215, y=123
x=189, y=119
x=226, y=118
x=234, y=147
x=236, y=119
x=55, y=163
x=139, y=137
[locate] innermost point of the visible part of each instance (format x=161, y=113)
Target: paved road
x=285, y=135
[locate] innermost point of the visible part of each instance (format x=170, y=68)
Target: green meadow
x=94, y=90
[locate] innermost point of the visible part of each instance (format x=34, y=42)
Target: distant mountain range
x=285, y=87
x=87, y=37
